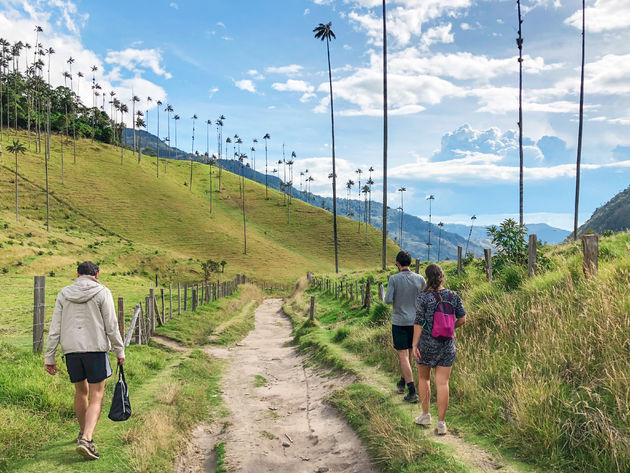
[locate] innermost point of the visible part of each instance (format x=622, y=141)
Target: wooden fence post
x=121, y=316
x=459, y=260
x=152, y=310
x=39, y=303
x=531, y=257
x=417, y=265
x=194, y=298
x=163, y=305
x=170, y=301
x=179, y=298
x=368, y=295
x=185, y=297
x=487, y=253
x=311, y=314
x=156, y=280
x=590, y=249
x=381, y=291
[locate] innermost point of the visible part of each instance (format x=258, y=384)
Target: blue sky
x=452, y=89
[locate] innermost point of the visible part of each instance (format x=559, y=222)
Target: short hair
x=87, y=268
x=404, y=258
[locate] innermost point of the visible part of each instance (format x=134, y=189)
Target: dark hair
x=435, y=277
x=87, y=268
x=403, y=258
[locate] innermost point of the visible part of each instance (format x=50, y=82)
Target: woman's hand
x=416, y=353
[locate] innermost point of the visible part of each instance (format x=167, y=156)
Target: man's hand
x=52, y=369
x=121, y=361
x=416, y=353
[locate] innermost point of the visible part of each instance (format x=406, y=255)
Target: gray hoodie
x=84, y=320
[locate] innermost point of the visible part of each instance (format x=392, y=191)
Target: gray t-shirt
x=402, y=291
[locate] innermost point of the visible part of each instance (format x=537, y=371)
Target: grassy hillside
x=100, y=197
x=614, y=215
x=542, y=366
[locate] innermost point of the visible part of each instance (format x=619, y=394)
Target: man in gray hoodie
x=84, y=323
x=402, y=291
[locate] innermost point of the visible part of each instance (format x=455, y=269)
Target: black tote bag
x=121, y=407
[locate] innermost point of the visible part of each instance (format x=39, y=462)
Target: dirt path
x=282, y=425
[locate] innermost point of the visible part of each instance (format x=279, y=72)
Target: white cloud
x=439, y=34
x=289, y=70
x=212, y=91
x=246, y=84
x=132, y=59
x=604, y=15
x=174, y=5
x=293, y=85
x=221, y=24
x=307, y=11
x=255, y=74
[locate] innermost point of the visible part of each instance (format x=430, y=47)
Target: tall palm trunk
x=384, y=223
x=157, y=144
x=47, y=158
x=581, y=121
x=334, y=171
x=519, y=43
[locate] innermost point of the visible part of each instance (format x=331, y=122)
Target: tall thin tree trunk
x=47, y=158
x=581, y=121
x=16, y=186
x=244, y=222
x=519, y=43
x=384, y=223
x=334, y=171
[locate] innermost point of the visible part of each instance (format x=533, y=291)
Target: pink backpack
x=443, y=319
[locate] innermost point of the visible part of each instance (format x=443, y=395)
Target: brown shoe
x=86, y=448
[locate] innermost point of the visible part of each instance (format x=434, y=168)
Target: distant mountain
x=415, y=233
x=613, y=215
x=544, y=232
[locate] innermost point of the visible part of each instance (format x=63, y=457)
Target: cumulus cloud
x=293, y=85
x=134, y=59
x=174, y=5
x=246, y=84
x=604, y=15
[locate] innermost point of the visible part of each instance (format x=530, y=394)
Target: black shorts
x=403, y=336
x=91, y=365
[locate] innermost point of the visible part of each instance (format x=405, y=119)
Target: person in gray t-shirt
x=402, y=291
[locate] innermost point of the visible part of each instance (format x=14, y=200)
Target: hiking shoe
x=79, y=437
x=400, y=385
x=441, y=428
x=411, y=398
x=423, y=419
x=86, y=448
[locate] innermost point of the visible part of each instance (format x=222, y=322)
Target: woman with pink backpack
x=438, y=312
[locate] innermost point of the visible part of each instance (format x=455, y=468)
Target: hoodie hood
x=82, y=290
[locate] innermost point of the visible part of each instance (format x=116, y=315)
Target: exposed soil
x=282, y=425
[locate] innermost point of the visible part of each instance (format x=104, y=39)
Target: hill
x=546, y=233
x=614, y=215
x=104, y=195
x=415, y=230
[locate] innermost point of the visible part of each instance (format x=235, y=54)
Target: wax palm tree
x=266, y=138
x=157, y=142
x=176, y=118
x=168, y=110
x=580, y=123
x=359, y=171
x=472, y=222
x=365, y=191
x=430, y=198
x=123, y=109
x=370, y=182
x=385, y=137
x=241, y=158
x=519, y=44
x=208, y=124
x=219, y=124
x=324, y=32
x=93, y=69
x=146, y=114
x=349, y=185
x=211, y=160
x=134, y=99
x=440, y=225
x=194, y=117
x=402, y=211
x=71, y=61
x=140, y=124
x=16, y=148
x=255, y=143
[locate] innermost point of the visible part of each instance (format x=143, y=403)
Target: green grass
x=541, y=369
x=260, y=381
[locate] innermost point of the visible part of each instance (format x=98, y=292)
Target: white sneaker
x=441, y=428
x=423, y=419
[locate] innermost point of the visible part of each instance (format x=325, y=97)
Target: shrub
x=512, y=276
x=341, y=334
x=381, y=314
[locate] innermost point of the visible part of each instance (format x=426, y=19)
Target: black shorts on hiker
x=91, y=365
x=403, y=336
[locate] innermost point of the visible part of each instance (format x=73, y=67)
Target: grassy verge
x=541, y=368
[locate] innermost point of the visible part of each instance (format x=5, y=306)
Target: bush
x=511, y=277
x=341, y=334
x=381, y=314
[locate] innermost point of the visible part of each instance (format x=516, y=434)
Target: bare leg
x=405, y=367
x=81, y=402
x=442, y=375
x=424, y=386
x=94, y=408
x=412, y=361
